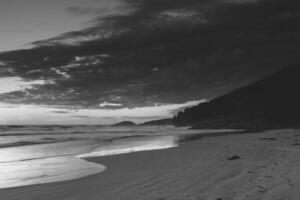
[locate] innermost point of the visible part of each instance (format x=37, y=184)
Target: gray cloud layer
x=159, y=51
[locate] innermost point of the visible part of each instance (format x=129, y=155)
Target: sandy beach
x=231, y=167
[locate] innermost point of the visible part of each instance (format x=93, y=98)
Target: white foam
x=47, y=163
x=129, y=146
x=47, y=170
x=47, y=150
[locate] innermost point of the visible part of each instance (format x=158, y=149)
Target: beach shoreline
x=261, y=165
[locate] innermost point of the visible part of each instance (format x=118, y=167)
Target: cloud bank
x=147, y=52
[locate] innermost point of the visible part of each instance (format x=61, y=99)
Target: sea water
x=44, y=154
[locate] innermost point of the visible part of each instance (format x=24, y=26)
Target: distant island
x=159, y=122
x=124, y=123
x=273, y=102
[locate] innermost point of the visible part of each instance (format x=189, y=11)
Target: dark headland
x=273, y=102
x=159, y=122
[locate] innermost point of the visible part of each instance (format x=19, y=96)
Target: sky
x=49, y=115
x=23, y=22
x=112, y=56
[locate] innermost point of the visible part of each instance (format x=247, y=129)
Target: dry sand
x=268, y=168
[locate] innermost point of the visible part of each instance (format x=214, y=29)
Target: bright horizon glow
x=11, y=114
x=12, y=84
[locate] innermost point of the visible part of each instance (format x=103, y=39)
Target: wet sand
x=231, y=167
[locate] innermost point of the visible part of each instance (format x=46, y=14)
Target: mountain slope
x=160, y=122
x=273, y=102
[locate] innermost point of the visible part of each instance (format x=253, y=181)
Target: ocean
x=43, y=154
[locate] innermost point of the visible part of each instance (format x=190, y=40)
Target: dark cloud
x=160, y=51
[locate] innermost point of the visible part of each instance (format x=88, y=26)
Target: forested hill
x=273, y=102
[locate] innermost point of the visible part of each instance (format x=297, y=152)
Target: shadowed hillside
x=273, y=102
x=160, y=122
